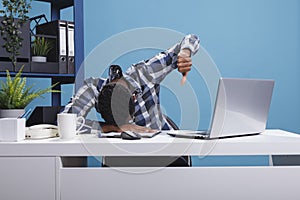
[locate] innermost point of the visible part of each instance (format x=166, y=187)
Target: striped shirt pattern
x=145, y=77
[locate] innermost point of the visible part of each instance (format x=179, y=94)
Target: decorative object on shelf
x=14, y=17
x=14, y=94
x=40, y=49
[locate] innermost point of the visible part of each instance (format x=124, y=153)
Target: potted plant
x=15, y=95
x=14, y=17
x=40, y=49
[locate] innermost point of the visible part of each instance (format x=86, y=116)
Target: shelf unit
x=56, y=7
x=61, y=78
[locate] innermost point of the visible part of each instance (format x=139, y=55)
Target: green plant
x=15, y=95
x=14, y=16
x=41, y=47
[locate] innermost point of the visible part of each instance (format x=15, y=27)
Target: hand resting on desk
x=106, y=128
x=143, y=132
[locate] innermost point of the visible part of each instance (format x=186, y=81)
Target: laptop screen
x=241, y=107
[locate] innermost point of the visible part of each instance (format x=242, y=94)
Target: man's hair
x=115, y=104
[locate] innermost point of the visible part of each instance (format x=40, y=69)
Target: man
x=130, y=101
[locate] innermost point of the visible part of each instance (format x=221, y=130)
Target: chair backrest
x=183, y=161
x=171, y=122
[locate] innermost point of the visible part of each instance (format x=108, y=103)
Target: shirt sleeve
x=158, y=67
x=84, y=100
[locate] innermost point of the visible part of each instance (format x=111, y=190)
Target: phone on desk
x=41, y=131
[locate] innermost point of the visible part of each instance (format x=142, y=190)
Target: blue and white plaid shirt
x=145, y=77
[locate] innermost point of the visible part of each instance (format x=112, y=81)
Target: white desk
x=36, y=164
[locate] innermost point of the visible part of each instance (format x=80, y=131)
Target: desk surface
x=270, y=142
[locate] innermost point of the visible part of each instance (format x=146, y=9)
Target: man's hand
x=106, y=128
x=184, y=63
x=136, y=128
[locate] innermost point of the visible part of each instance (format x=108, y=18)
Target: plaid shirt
x=145, y=77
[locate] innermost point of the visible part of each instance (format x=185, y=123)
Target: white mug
x=67, y=125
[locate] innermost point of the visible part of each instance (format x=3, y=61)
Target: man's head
x=114, y=73
x=115, y=101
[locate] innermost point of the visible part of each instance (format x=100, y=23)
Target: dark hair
x=115, y=104
x=114, y=72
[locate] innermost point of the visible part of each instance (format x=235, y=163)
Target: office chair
x=171, y=122
x=144, y=161
x=184, y=161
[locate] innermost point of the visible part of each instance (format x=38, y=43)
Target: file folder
x=56, y=28
x=71, y=49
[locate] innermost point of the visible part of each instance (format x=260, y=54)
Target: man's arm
x=158, y=67
x=84, y=99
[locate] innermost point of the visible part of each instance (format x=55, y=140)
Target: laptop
x=241, y=108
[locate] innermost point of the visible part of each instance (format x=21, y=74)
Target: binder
x=56, y=28
x=70, y=48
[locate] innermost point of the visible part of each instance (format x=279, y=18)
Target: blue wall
x=257, y=38
x=252, y=39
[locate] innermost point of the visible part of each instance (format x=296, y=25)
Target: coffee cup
x=67, y=125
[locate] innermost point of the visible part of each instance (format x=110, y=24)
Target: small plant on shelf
x=14, y=94
x=40, y=48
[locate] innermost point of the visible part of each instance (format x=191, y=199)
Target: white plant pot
x=39, y=59
x=11, y=113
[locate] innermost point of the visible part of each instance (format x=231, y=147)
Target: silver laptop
x=241, y=108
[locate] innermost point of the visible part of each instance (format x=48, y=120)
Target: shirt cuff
x=190, y=42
